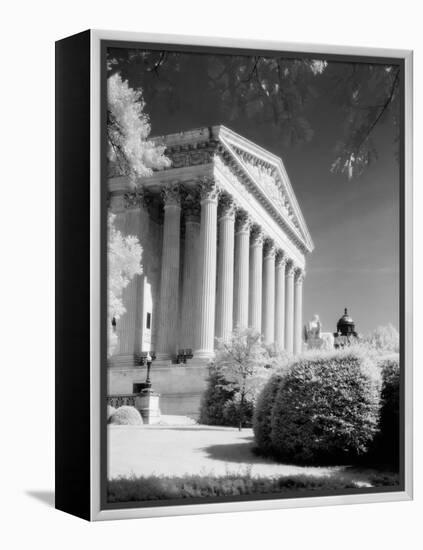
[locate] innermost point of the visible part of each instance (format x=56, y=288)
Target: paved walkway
x=197, y=449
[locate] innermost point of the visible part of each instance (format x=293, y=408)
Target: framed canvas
x=233, y=275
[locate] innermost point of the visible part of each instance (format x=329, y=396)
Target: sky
x=354, y=224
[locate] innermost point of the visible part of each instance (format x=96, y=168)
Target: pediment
x=267, y=173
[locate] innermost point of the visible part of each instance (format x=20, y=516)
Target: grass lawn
x=164, y=462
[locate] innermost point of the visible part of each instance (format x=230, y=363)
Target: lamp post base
x=147, y=403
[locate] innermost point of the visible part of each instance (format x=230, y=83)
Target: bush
x=326, y=408
x=126, y=416
x=218, y=406
x=387, y=442
x=263, y=413
x=242, y=366
x=110, y=410
x=133, y=489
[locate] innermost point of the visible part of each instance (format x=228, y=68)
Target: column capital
x=257, y=236
x=137, y=198
x=226, y=206
x=208, y=189
x=290, y=268
x=269, y=248
x=134, y=199
x=242, y=221
x=171, y=194
x=299, y=276
x=191, y=206
x=281, y=258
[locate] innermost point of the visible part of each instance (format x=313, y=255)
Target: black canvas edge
x=72, y=249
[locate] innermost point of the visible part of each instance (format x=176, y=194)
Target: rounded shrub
x=326, y=408
x=126, y=416
x=387, y=441
x=110, y=410
x=263, y=413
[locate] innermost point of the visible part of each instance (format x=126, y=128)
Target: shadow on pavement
x=46, y=497
x=235, y=452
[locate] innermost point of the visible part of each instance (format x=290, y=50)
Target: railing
x=117, y=401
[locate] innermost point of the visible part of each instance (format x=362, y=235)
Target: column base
x=163, y=356
x=203, y=354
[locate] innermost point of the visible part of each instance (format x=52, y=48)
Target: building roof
x=263, y=172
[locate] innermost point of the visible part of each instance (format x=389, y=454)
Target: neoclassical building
x=224, y=246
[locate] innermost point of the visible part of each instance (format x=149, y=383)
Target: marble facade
x=224, y=246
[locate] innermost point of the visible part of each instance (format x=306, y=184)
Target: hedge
x=133, y=489
x=387, y=442
x=326, y=408
x=126, y=416
x=110, y=411
x=263, y=414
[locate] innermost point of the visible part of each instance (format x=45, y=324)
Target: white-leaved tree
x=130, y=152
x=384, y=339
x=245, y=364
x=124, y=255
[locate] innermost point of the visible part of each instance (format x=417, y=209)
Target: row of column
x=257, y=285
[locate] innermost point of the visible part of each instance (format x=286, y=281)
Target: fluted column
x=225, y=269
x=190, y=271
x=298, y=311
x=207, y=269
x=256, y=283
x=241, y=271
x=268, y=316
x=169, y=280
x=289, y=307
x=280, y=299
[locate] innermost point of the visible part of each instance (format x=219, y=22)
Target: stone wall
x=180, y=387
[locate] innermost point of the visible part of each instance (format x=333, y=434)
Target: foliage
x=213, y=411
x=110, y=411
x=387, y=442
x=126, y=416
x=384, y=339
x=263, y=413
x=276, y=91
x=124, y=262
x=132, y=489
x=326, y=408
x=128, y=129
x=241, y=367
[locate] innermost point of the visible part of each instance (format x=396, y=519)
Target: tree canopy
x=128, y=128
x=276, y=91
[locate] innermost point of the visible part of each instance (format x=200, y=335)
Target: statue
x=313, y=328
x=314, y=337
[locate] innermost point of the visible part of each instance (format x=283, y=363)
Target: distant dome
x=346, y=325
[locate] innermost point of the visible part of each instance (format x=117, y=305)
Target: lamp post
x=149, y=361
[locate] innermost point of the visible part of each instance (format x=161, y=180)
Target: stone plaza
x=224, y=248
